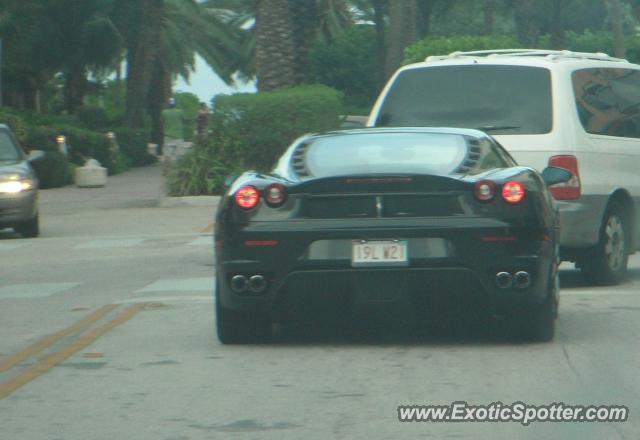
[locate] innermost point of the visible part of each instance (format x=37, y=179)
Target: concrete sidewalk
x=142, y=187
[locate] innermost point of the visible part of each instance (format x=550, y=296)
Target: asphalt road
x=106, y=329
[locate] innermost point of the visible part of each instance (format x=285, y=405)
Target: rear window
x=497, y=99
x=608, y=101
x=419, y=153
x=8, y=150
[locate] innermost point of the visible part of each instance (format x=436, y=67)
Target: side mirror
x=228, y=181
x=35, y=155
x=553, y=175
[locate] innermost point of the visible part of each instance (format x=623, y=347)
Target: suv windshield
x=499, y=99
x=8, y=150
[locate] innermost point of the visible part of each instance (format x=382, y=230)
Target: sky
x=206, y=84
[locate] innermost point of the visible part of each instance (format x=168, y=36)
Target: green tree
x=403, y=31
x=275, y=45
x=346, y=65
x=283, y=35
x=43, y=38
x=163, y=39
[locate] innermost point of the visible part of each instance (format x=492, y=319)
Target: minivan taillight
x=570, y=190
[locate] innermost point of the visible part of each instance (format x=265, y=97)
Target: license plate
x=379, y=253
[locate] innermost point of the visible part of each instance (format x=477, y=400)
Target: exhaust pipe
x=257, y=283
x=522, y=279
x=503, y=280
x=239, y=283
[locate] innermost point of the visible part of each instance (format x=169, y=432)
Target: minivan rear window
x=496, y=99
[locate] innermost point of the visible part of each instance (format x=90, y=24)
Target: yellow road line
x=207, y=229
x=45, y=364
x=47, y=341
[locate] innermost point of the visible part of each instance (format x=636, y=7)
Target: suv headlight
x=16, y=184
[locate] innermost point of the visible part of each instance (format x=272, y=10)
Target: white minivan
x=579, y=111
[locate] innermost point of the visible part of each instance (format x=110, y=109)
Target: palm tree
x=24, y=68
x=403, y=31
x=187, y=30
x=275, y=45
x=616, y=28
x=67, y=36
x=163, y=37
x=284, y=33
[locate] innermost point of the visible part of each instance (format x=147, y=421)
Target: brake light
x=484, y=190
x=247, y=197
x=275, y=195
x=513, y=192
x=570, y=190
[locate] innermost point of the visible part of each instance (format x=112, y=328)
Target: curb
x=173, y=202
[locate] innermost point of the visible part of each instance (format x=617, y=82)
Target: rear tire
x=608, y=265
x=235, y=327
x=30, y=228
x=537, y=322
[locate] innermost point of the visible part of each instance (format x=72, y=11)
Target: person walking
x=173, y=124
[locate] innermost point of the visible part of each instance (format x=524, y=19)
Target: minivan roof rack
x=549, y=54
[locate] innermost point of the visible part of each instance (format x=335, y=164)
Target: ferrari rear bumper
x=308, y=273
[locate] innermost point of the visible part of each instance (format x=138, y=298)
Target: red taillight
x=570, y=190
x=484, y=190
x=513, y=192
x=275, y=194
x=247, y=197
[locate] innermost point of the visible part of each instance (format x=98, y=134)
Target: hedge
x=253, y=130
x=577, y=42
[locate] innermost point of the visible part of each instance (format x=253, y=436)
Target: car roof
x=525, y=57
x=427, y=130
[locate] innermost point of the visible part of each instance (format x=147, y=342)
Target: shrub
x=197, y=172
x=14, y=121
x=94, y=117
x=41, y=138
x=253, y=130
x=53, y=170
x=85, y=144
x=133, y=143
x=349, y=64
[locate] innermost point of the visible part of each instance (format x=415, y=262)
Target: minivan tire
x=608, y=264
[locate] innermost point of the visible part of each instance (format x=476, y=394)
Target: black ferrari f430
x=377, y=216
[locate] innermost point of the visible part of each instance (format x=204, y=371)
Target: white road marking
x=161, y=299
x=571, y=292
x=35, y=290
x=121, y=243
x=202, y=241
x=6, y=247
x=180, y=285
